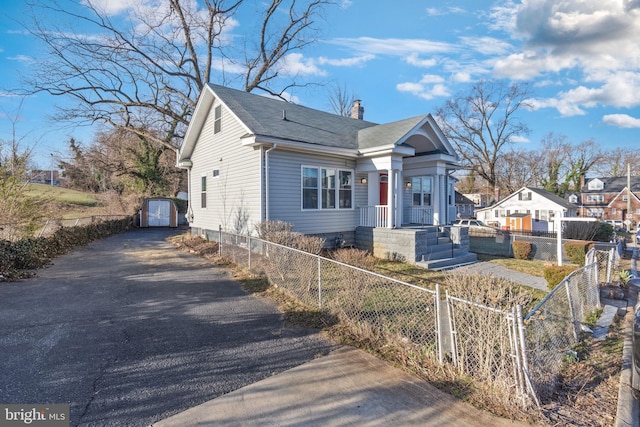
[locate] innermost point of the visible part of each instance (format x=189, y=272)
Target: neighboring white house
x=251, y=158
x=540, y=205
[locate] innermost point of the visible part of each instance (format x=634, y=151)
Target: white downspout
x=189, y=214
x=266, y=181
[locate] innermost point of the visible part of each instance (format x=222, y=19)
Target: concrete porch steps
x=451, y=262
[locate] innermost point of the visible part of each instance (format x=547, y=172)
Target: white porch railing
x=422, y=215
x=373, y=216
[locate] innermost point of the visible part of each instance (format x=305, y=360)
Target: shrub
x=355, y=257
x=555, y=274
x=282, y=233
x=576, y=251
x=522, y=250
x=33, y=253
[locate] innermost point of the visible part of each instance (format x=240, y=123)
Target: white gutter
x=187, y=164
x=266, y=179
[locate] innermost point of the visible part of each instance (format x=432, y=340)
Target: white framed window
x=524, y=195
x=594, y=198
x=638, y=211
x=625, y=198
x=217, y=119
x=421, y=187
x=203, y=192
x=326, y=188
x=613, y=211
x=573, y=198
x=216, y=173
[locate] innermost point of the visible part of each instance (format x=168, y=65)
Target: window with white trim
x=421, y=188
x=203, y=192
x=595, y=198
x=326, y=188
x=217, y=119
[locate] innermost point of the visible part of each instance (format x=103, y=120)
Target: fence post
x=452, y=331
x=515, y=342
x=571, y=311
x=610, y=266
x=249, y=247
x=438, y=326
x=319, y=281
x=220, y=240
x=525, y=359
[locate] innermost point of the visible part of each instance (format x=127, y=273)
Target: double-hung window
x=203, y=192
x=326, y=188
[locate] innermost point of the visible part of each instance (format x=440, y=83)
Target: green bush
x=16, y=258
x=522, y=250
x=556, y=273
x=576, y=251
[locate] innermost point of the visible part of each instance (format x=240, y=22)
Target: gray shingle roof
x=553, y=197
x=613, y=184
x=264, y=117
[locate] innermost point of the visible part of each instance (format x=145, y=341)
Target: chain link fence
x=520, y=356
x=554, y=325
x=607, y=263
x=380, y=305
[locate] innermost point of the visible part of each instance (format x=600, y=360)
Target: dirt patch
x=588, y=388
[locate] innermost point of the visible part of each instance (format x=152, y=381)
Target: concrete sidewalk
x=347, y=387
x=490, y=268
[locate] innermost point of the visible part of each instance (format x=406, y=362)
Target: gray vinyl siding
x=285, y=188
x=237, y=189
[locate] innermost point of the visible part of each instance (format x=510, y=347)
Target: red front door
x=384, y=186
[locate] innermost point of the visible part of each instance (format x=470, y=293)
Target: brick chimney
x=357, y=111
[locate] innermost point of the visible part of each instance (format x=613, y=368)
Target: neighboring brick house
x=607, y=199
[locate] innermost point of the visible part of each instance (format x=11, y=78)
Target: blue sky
x=405, y=58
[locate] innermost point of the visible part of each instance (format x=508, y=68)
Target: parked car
x=476, y=226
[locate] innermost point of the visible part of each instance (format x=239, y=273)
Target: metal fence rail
x=520, y=356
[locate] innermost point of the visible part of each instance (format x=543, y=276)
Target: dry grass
x=587, y=392
x=588, y=389
x=532, y=267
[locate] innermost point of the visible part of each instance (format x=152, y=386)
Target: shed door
x=159, y=213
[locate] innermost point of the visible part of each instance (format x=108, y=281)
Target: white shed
x=158, y=212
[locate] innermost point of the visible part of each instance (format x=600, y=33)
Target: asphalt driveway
x=129, y=331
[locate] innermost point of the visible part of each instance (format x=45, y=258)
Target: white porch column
x=435, y=191
x=399, y=200
x=391, y=190
x=442, y=189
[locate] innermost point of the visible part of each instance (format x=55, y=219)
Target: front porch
x=432, y=247
x=379, y=216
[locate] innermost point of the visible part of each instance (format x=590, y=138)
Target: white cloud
x=20, y=58
x=393, y=46
x=296, y=64
x=461, y=77
x=430, y=86
x=621, y=120
x=595, y=41
x=487, y=45
x=346, y=62
x=111, y=7
x=621, y=89
x=423, y=63
x=434, y=11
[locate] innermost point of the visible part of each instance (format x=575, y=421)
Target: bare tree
x=613, y=162
x=341, y=100
x=143, y=74
x=482, y=122
x=518, y=168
